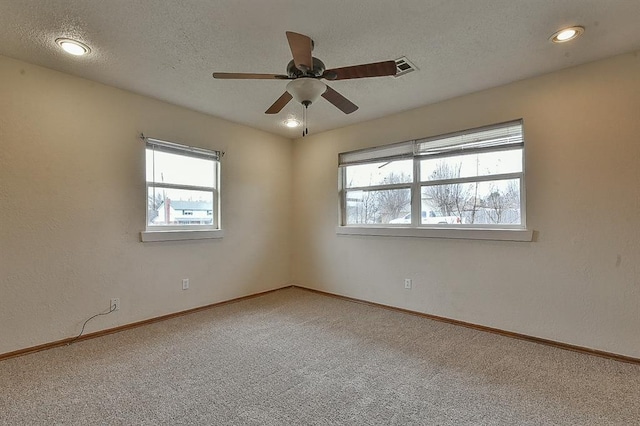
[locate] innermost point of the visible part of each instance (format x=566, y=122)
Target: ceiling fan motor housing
x=317, y=71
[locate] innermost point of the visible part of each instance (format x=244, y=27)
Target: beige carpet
x=293, y=357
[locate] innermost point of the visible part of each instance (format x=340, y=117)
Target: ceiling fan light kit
x=306, y=90
x=305, y=71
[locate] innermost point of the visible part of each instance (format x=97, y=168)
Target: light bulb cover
x=306, y=89
x=291, y=123
x=73, y=47
x=567, y=34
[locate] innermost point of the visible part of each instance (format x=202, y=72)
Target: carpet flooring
x=294, y=357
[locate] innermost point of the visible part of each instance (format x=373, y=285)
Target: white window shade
x=382, y=153
x=500, y=136
x=174, y=148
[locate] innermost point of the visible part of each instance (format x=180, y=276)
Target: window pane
x=171, y=207
x=494, y=202
x=471, y=165
x=179, y=169
x=377, y=207
x=382, y=173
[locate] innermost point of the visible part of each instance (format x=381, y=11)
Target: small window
x=470, y=179
x=182, y=187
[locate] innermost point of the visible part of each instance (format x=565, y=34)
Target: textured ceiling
x=168, y=49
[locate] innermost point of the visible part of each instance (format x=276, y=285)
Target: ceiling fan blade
x=279, y=104
x=247, y=76
x=342, y=103
x=301, y=46
x=376, y=69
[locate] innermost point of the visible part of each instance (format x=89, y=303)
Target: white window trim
x=181, y=235
x=197, y=232
x=418, y=230
x=525, y=235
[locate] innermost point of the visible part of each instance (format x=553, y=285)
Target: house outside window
x=470, y=179
x=182, y=187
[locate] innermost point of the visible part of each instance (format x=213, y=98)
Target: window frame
x=373, y=188
x=183, y=231
x=411, y=149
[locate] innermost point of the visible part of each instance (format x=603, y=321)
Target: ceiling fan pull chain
x=305, y=131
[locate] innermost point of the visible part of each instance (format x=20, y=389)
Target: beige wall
x=578, y=282
x=72, y=204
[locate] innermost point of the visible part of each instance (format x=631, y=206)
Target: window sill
x=464, y=234
x=201, y=234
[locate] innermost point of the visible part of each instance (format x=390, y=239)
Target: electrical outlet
x=115, y=304
x=185, y=283
x=407, y=283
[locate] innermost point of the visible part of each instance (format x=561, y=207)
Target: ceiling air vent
x=404, y=66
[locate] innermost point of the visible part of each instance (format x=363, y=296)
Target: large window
x=470, y=179
x=182, y=187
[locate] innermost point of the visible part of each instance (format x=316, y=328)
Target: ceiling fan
x=306, y=71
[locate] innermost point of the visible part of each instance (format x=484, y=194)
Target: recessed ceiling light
x=566, y=34
x=291, y=122
x=73, y=47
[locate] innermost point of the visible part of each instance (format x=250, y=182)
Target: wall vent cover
x=404, y=66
